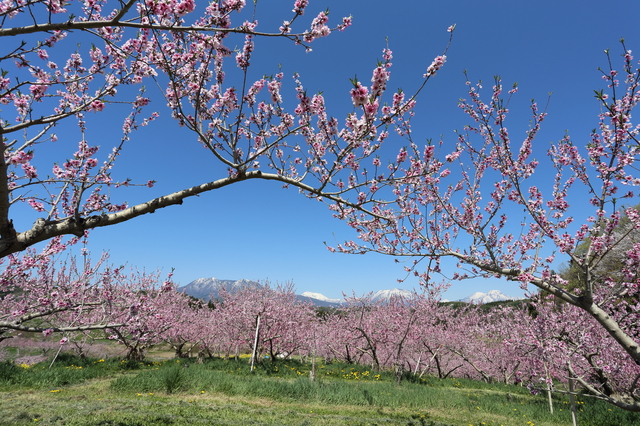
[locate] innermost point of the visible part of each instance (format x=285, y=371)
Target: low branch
x=18, y=327
x=623, y=401
x=43, y=230
x=71, y=25
x=51, y=311
x=609, y=324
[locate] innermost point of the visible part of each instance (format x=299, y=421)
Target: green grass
x=219, y=392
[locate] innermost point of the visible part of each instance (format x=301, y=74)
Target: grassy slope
x=96, y=404
x=225, y=393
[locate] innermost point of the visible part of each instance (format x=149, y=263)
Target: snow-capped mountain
x=491, y=296
x=319, y=300
x=209, y=288
x=321, y=297
x=379, y=296
x=388, y=294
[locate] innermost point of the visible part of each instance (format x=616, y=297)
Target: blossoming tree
x=183, y=50
x=61, y=61
x=487, y=204
x=47, y=298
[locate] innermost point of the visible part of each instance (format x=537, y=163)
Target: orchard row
x=540, y=344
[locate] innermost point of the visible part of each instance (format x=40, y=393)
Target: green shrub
x=129, y=364
x=172, y=379
x=9, y=372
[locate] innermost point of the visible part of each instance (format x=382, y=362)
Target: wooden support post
x=255, y=343
x=572, y=398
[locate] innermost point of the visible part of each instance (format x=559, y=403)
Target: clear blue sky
x=258, y=231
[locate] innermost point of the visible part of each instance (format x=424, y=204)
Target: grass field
x=108, y=392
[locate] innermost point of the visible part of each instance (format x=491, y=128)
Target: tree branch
x=43, y=230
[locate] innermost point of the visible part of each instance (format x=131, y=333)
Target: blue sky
x=258, y=231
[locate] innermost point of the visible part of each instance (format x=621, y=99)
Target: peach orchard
x=426, y=203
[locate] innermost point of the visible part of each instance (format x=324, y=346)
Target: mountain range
x=491, y=296
x=209, y=288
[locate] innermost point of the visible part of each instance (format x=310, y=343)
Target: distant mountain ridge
x=319, y=300
x=209, y=288
x=384, y=295
x=491, y=296
x=321, y=297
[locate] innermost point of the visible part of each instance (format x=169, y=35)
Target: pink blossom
x=243, y=57
x=97, y=106
x=29, y=171
x=359, y=95
x=274, y=90
x=346, y=22
x=231, y=5
x=140, y=102
x=299, y=6
x=379, y=80
x=38, y=90
x=56, y=6
x=184, y=7
x=285, y=27
x=437, y=63
x=20, y=157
